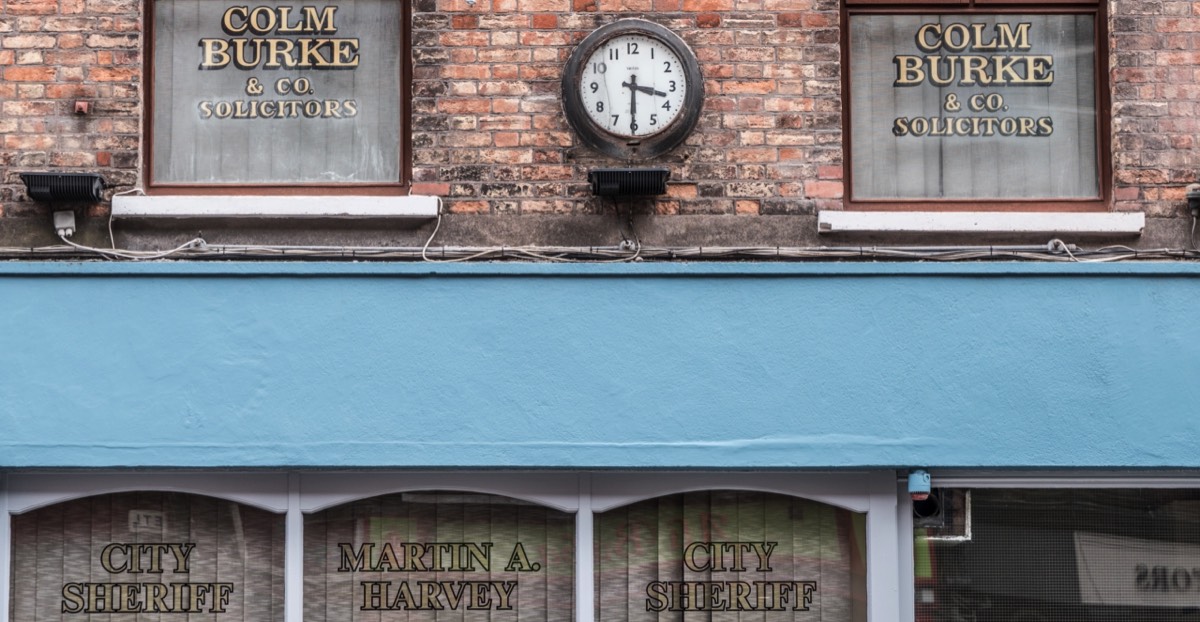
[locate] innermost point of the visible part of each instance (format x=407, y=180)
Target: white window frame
x=584, y=494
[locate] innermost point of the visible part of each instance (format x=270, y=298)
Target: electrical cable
x=112, y=241
x=136, y=255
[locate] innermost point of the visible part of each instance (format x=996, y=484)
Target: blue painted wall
x=675, y=365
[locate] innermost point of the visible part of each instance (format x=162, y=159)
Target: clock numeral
x=672, y=86
x=615, y=117
x=633, y=126
x=614, y=54
x=599, y=67
x=666, y=66
x=632, y=47
x=654, y=119
x=596, y=87
x=651, y=53
x=599, y=106
x=666, y=105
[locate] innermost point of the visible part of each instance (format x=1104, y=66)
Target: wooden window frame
x=1096, y=8
x=400, y=187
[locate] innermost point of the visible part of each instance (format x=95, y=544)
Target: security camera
x=919, y=485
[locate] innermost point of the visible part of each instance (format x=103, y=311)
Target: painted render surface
x=524, y=365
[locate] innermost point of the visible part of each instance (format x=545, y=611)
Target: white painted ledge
x=1044, y=223
x=339, y=206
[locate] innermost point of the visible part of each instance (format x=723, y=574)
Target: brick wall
x=52, y=54
x=1155, y=72
x=492, y=136
x=489, y=133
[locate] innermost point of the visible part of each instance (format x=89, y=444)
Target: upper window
x=277, y=93
x=962, y=104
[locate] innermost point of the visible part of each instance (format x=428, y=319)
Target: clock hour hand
x=645, y=89
x=649, y=91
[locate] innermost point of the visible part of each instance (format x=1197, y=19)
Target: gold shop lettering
x=992, y=64
x=279, y=37
x=153, y=558
x=976, y=55
x=434, y=595
x=715, y=557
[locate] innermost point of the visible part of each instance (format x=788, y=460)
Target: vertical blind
x=439, y=557
x=730, y=556
x=149, y=557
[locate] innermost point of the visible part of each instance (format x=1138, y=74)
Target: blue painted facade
x=592, y=366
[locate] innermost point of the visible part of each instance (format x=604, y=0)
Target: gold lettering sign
x=973, y=55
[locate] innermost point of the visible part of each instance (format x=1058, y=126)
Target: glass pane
x=147, y=556
x=444, y=557
x=276, y=92
x=729, y=556
x=1063, y=555
x=973, y=106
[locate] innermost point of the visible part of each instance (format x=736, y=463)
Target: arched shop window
x=732, y=555
x=450, y=546
x=150, y=555
x=439, y=556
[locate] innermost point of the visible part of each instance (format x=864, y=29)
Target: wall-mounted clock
x=632, y=90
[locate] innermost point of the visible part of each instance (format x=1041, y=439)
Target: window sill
x=172, y=206
x=1045, y=223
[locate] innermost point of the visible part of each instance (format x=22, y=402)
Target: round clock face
x=632, y=90
x=633, y=85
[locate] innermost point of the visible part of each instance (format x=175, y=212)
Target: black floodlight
x=64, y=187
x=620, y=182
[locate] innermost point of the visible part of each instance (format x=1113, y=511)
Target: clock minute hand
x=633, y=89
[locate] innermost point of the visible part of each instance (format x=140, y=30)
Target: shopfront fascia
x=297, y=388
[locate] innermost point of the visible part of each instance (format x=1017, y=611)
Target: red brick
x=506, y=72
x=428, y=188
x=746, y=207
x=29, y=74
x=31, y=7
x=819, y=20
x=113, y=74
x=708, y=20
x=468, y=207
x=829, y=172
x=824, y=189
x=21, y=42
x=464, y=106
x=26, y=142
x=698, y=6
x=790, y=20
x=545, y=20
